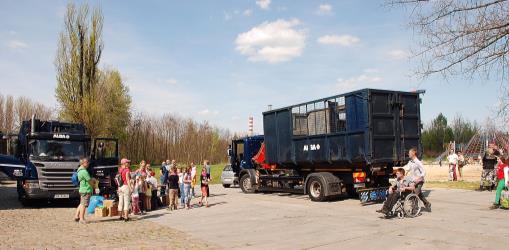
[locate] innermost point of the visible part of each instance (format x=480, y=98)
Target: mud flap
x=373, y=194
x=12, y=167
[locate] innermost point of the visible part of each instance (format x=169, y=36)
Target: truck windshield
x=57, y=150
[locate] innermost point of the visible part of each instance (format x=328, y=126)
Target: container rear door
x=409, y=123
x=383, y=126
x=395, y=122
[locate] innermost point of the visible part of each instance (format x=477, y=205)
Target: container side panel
x=284, y=136
x=270, y=133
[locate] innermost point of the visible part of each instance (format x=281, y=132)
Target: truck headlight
x=31, y=185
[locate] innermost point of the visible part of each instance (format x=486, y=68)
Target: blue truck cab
x=242, y=150
x=44, y=154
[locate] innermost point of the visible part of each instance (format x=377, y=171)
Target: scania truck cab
x=44, y=154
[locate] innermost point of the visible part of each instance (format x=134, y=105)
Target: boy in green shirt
x=86, y=183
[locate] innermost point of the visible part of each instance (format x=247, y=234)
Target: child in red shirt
x=502, y=180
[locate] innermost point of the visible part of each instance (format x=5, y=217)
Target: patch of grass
x=215, y=171
x=467, y=185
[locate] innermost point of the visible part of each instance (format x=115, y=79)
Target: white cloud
x=272, y=42
x=343, y=40
x=357, y=82
x=324, y=9
x=247, y=12
x=398, y=54
x=208, y=112
x=264, y=4
x=16, y=44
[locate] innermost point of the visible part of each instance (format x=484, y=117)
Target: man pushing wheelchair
x=405, y=194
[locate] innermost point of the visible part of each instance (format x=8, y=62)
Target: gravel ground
x=51, y=226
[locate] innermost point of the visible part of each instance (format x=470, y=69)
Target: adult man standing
x=124, y=191
x=453, y=163
x=417, y=173
x=85, y=190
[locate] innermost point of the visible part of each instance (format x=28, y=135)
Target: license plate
x=61, y=196
x=359, y=185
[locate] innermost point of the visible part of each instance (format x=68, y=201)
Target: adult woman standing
x=204, y=179
x=187, y=187
x=124, y=191
x=181, y=187
x=193, y=177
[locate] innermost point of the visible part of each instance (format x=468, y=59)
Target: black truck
x=44, y=154
x=342, y=145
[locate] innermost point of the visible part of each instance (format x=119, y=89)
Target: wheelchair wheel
x=411, y=206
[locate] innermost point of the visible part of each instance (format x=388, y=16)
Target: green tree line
x=437, y=135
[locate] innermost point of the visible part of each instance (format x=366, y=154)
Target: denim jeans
x=182, y=195
x=187, y=192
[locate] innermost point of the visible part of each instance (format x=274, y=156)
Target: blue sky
x=223, y=61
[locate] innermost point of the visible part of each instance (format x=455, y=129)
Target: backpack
x=118, y=179
x=74, y=178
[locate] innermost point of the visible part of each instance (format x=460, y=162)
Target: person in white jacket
x=416, y=171
x=453, y=164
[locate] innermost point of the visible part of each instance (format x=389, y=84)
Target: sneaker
x=494, y=206
x=126, y=219
x=121, y=218
x=77, y=219
x=428, y=207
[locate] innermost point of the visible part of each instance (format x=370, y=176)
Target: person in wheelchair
x=404, y=185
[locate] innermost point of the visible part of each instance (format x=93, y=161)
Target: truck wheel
x=246, y=185
x=23, y=199
x=316, y=190
x=226, y=185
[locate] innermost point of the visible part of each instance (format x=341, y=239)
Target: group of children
x=144, y=195
x=176, y=184
x=179, y=184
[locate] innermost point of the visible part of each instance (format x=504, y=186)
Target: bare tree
x=170, y=136
x=461, y=37
x=2, y=114
x=24, y=109
x=9, y=114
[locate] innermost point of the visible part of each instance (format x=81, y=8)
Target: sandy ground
x=51, y=226
x=437, y=173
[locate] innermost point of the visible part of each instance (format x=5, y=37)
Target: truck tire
x=22, y=198
x=316, y=189
x=226, y=185
x=246, y=185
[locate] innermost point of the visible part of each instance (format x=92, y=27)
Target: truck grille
x=56, y=176
x=56, y=179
